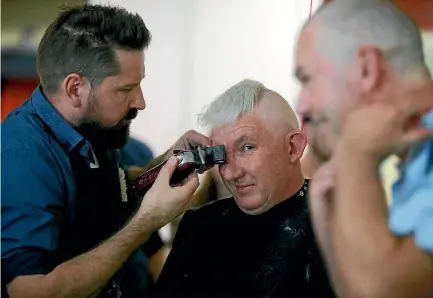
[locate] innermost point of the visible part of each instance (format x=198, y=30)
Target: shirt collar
x=62, y=130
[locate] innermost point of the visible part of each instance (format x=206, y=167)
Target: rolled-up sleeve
x=33, y=202
x=415, y=217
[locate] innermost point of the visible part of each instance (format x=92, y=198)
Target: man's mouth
x=124, y=122
x=131, y=115
x=243, y=187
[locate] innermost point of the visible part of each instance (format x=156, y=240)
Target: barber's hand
x=191, y=140
x=163, y=202
x=381, y=129
x=320, y=199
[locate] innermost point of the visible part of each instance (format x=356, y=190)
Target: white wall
x=201, y=47
x=244, y=39
x=167, y=70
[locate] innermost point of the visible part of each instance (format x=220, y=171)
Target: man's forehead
x=131, y=64
x=245, y=127
x=306, y=43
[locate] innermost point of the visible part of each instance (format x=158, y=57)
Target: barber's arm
x=33, y=206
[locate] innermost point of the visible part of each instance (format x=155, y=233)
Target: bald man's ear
x=371, y=65
x=296, y=142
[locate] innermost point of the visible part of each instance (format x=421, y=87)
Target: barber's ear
x=371, y=69
x=296, y=142
x=77, y=90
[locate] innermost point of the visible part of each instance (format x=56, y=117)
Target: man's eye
x=304, y=79
x=247, y=148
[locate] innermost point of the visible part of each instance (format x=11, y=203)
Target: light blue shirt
x=411, y=211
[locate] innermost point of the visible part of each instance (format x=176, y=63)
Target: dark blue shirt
x=39, y=191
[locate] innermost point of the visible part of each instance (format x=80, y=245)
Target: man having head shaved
x=365, y=86
x=259, y=242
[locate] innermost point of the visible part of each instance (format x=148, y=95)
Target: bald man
x=364, y=86
x=259, y=242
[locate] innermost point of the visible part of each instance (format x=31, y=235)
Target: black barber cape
x=219, y=251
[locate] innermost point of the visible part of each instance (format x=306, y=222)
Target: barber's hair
x=343, y=26
x=83, y=40
x=238, y=100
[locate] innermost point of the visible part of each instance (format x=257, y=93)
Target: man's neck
x=63, y=111
x=293, y=186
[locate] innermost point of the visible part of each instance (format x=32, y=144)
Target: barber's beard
x=106, y=138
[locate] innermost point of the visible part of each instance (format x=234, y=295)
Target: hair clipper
x=196, y=160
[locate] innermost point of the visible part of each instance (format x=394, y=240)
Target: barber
x=68, y=230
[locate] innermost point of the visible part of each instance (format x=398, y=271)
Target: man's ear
x=77, y=89
x=296, y=142
x=371, y=69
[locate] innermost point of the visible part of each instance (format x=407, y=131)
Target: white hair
x=346, y=25
x=238, y=100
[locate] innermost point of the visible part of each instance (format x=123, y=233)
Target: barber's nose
x=138, y=101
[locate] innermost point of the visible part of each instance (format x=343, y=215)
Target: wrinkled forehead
x=248, y=126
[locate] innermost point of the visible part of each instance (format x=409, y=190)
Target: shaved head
x=249, y=97
x=349, y=52
x=260, y=133
x=343, y=26
x=275, y=111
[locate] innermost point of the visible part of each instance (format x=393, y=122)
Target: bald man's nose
x=303, y=106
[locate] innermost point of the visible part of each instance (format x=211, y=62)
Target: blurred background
x=199, y=49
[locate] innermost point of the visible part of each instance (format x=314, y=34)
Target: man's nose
x=230, y=171
x=305, y=101
x=138, y=101
x=301, y=106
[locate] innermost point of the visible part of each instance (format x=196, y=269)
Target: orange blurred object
x=14, y=93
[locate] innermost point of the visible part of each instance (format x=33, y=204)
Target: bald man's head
x=353, y=51
x=342, y=27
x=260, y=132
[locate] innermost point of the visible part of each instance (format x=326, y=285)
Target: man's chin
x=321, y=156
x=251, y=205
x=117, y=142
x=111, y=139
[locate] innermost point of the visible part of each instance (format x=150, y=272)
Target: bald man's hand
x=380, y=129
x=320, y=200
